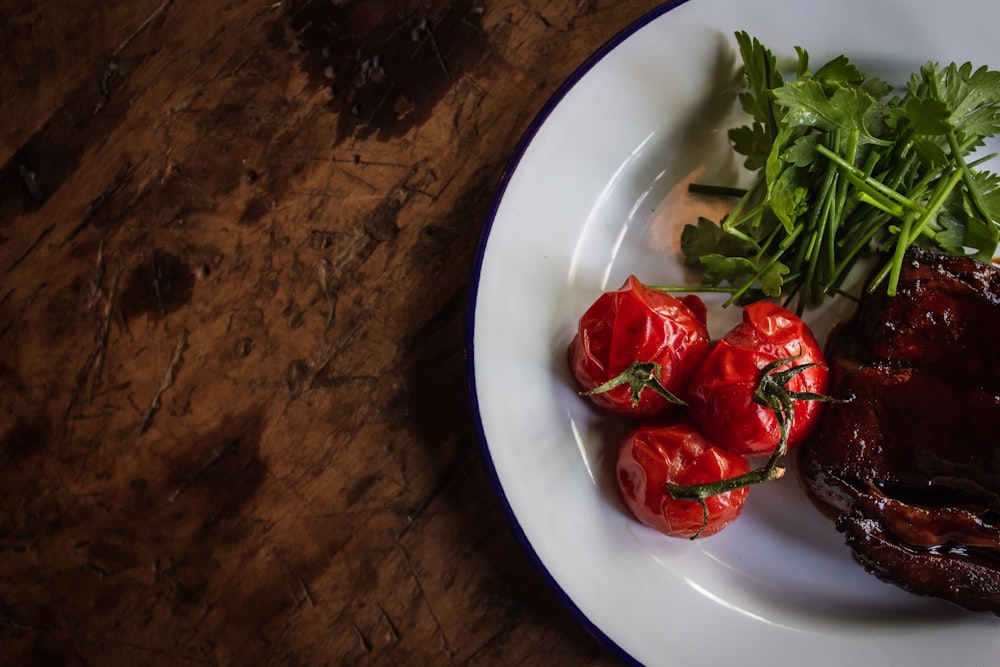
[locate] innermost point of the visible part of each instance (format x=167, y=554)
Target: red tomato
x=720, y=396
x=638, y=324
x=652, y=456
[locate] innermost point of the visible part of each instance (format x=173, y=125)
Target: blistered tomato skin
x=636, y=323
x=721, y=393
x=651, y=456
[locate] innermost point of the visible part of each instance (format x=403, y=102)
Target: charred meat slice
x=948, y=573
x=911, y=463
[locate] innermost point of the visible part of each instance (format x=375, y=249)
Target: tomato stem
x=769, y=471
x=638, y=376
x=772, y=392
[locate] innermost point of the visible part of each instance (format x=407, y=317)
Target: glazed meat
x=910, y=464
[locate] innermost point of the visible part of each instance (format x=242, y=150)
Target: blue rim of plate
x=512, y=165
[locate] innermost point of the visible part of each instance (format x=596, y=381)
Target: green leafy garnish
x=848, y=166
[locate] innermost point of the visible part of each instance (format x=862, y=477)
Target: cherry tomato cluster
x=698, y=410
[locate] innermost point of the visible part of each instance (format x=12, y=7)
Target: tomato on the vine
x=766, y=364
x=641, y=329
x=651, y=457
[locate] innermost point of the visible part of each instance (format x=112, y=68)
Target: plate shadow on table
x=488, y=587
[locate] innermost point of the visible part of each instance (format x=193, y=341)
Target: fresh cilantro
x=810, y=105
x=707, y=238
x=849, y=166
x=720, y=268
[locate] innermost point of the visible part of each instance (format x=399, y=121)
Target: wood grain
x=235, y=241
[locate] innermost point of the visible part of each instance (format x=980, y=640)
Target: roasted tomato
x=632, y=327
x=651, y=457
x=732, y=402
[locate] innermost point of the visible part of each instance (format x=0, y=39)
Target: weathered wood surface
x=235, y=239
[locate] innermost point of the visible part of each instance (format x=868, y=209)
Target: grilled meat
x=910, y=464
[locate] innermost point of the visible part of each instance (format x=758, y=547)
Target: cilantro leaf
x=922, y=115
x=754, y=142
x=972, y=96
x=950, y=236
x=839, y=70
x=762, y=76
x=989, y=185
x=807, y=104
x=708, y=238
x=802, y=151
x=772, y=279
x=720, y=268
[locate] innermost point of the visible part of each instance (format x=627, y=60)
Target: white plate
x=595, y=192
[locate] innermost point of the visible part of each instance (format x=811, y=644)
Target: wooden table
x=235, y=244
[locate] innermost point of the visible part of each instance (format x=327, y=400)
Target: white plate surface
x=595, y=192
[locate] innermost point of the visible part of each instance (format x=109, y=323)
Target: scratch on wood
x=243, y=63
x=438, y=56
x=295, y=598
x=424, y=502
x=156, y=285
x=345, y=340
x=38, y=239
x=332, y=351
x=324, y=281
x=157, y=13
x=96, y=357
x=439, y=628
x=221, y=452
x=81, y=381
x=14, y=320
x=117, y=182
x=109, y=299
x=365, y=642
x=168, y=379
x=110, y=73
x=394, y=635
x=96, y=293
x=302, y=585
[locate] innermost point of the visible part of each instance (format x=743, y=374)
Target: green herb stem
x=848, y=167
x=716, y=190
x=879, y=194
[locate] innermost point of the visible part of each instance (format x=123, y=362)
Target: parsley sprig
x=848, y=166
